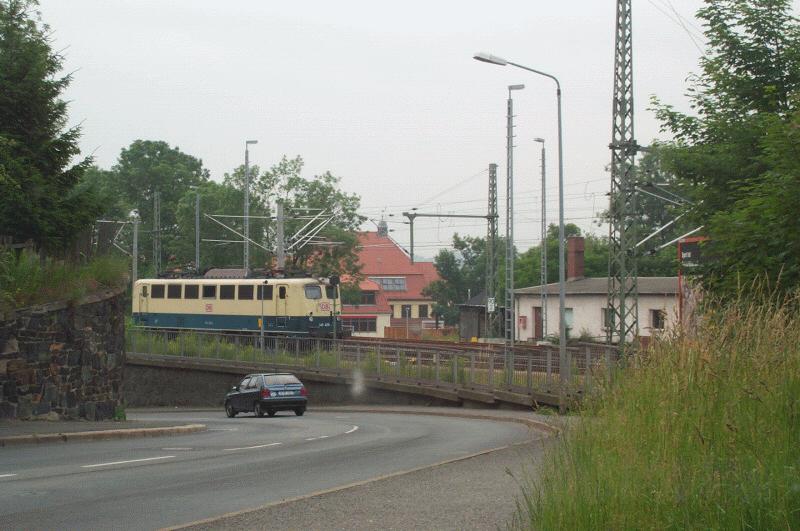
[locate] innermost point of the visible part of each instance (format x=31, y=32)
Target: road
x=237, y=464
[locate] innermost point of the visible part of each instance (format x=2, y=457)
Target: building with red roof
x=391, y=292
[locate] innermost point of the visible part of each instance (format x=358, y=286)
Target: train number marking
x=324, y=306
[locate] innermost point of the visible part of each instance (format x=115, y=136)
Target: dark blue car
x=267, y=393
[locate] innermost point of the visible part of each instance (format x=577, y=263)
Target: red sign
x=209, y=308
x=324, y=306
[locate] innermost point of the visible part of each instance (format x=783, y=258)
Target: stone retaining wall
x=63, y=360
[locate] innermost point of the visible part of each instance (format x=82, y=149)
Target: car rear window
x=281, y=379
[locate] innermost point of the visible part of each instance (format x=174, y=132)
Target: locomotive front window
x=245, y=292
x=265, y=293
x=173, y=291
x=209, y=292
x=330, y=292
x=313, y=292
x=157, y=291
x=191, y=291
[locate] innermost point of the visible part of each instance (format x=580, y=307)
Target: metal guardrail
x=527, y=371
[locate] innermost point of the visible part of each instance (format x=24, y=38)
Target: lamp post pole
x=562, y=330
x=197, y=230
x=246, y=259
x=543, y=243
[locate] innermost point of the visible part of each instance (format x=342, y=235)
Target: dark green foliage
x=738, y=154
x=40, y=195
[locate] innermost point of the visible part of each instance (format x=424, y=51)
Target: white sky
x=386, y=96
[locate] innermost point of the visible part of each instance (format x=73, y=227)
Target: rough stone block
x=24, y=407
x=8, y=410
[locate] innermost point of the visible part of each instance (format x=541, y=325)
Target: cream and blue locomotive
x=283, y=306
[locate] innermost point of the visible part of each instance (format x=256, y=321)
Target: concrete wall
x=151, y=385
x=63, y=360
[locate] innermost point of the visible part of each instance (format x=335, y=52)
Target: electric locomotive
x=282, y=306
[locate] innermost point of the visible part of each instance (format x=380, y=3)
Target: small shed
x=472, y=318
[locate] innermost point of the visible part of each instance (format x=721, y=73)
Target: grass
x=283, y=352
x=26, y=281
x=701, y=432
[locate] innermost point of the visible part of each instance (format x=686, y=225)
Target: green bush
x=700, y=432
x=25, y=281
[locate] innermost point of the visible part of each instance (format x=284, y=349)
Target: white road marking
x=342, y=417
x=251, y=447
x=129, y=461
x=7, y=475
x=354, y=428
x=174, y=449
x=312, y=439
x=223, y=429
x=323, y=436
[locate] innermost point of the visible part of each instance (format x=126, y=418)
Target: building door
x=281, y=306
x=538, y=328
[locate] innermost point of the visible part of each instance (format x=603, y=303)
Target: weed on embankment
x=699, y=432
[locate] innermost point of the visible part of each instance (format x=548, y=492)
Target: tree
x=304, y=198
x=737, y=153
x=223, y=199
x=41, y=197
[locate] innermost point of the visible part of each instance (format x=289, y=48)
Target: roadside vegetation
x=699, y=432
x=26, y=280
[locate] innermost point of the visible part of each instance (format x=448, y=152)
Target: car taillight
x=265, y=393
x=303, y=391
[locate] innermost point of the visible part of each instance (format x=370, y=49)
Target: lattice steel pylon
x=491, y=253
x=157, y=232
x=622, y=273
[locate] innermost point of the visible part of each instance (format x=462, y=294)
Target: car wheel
x=271, y=412
x=299, y=411
x=257, y=409
x=229, y=410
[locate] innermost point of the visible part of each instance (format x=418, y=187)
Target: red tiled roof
x=382, y=256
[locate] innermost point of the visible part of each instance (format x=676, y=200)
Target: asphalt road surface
x=237, y=464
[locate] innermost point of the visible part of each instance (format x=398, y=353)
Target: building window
x=367, y=297
x=657, y=319
x=423, y=311
x=227, y=292
x=406, y=311
x=363, y=324
x=173, y=291
x=191, y=291
x=390, y=283
x=569, y=319
x=209, y=292
x=607, y=317
x=264, y=293
x=246, y=292
x=157, y=291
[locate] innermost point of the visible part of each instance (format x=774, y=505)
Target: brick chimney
x=574, y=258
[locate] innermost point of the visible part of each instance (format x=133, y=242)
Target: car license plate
x=285, y=393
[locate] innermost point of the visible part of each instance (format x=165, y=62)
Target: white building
x=586, y=303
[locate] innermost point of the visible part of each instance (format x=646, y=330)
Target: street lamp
x=543, y=254
x=562, y=330
x=247, y=205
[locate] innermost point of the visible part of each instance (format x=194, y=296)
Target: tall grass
x=699, y=432
x=26, y=281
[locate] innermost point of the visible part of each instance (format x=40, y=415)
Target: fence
x=526, y=370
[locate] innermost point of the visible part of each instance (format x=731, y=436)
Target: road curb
x=100, y=435
x=531, y=423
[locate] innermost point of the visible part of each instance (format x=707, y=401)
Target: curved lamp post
x=562, y=330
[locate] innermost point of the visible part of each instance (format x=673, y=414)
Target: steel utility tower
x=622, y=274
x=157, y=232
x=491, y=253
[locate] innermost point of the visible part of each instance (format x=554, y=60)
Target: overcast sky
x=386, y=96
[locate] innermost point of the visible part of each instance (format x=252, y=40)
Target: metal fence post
x=454, y=358
x=472, y=368
x=436, y=362
x=358, y=357
x=491, y=370
x=530, y=372
x=397, y=368
x=549, y=367
x=419, y=365
x=587, y=372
